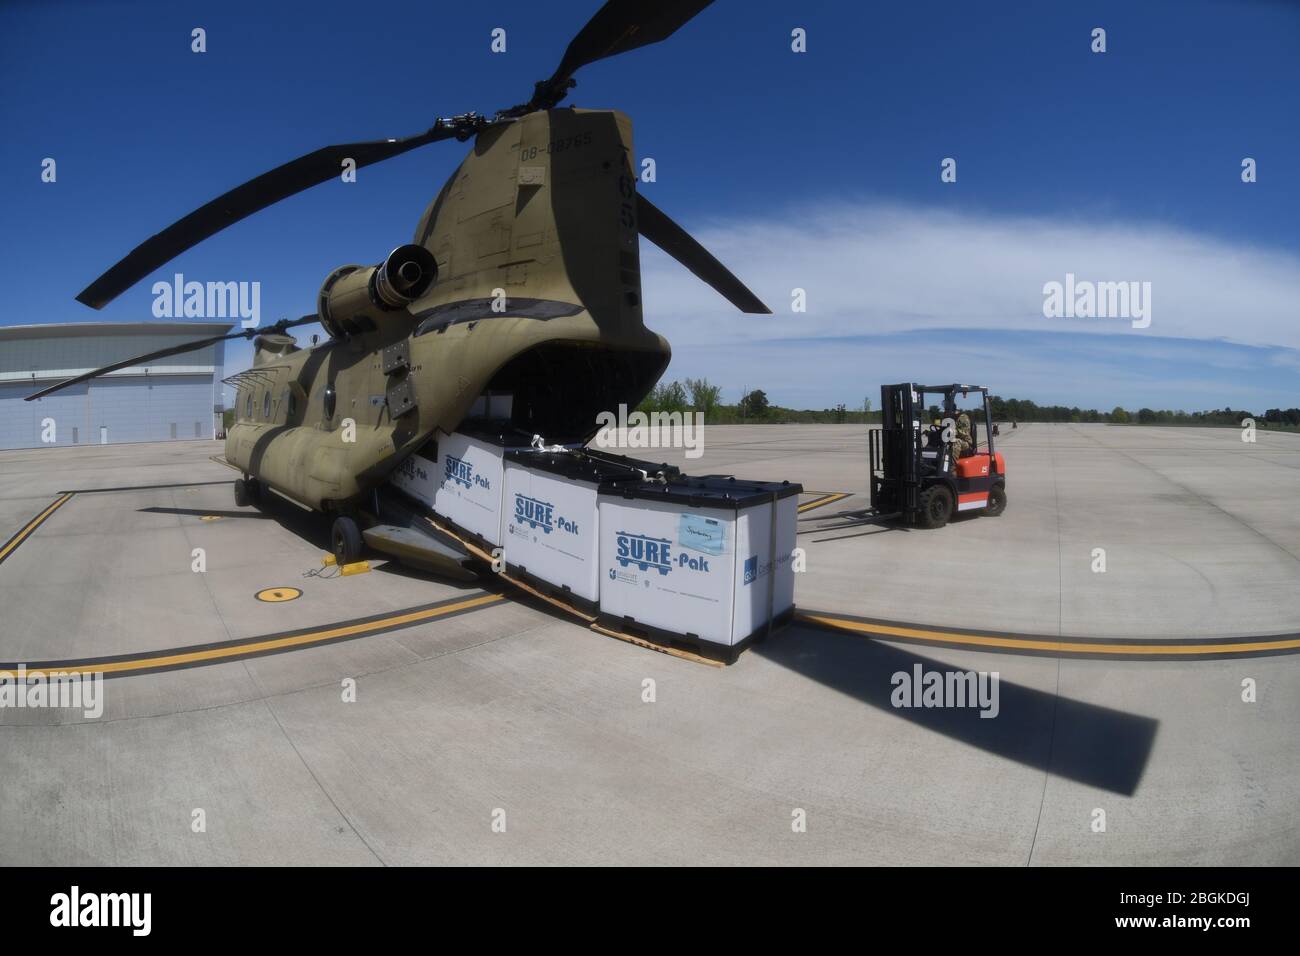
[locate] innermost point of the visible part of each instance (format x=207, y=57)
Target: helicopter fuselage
x=538, y=295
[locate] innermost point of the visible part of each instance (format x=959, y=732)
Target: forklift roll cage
x=909, y=457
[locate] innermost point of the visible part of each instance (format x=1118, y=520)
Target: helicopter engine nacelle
x=352, y=294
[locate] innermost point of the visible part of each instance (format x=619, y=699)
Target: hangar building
x=172, y=398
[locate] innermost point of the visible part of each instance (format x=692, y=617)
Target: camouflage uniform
x=963, y=446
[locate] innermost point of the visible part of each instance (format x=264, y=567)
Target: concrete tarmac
x=488, y=710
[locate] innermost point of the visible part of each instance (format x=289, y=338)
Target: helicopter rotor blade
x=622, y=25
x=269, y=188
x=655, y=225
x=618, y=26
x=172, y=350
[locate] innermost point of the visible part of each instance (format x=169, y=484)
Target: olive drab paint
x=542, y=208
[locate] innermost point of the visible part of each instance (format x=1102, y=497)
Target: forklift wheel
x=241, y=493
x=997, y=501
x=935, y=506
x=345, y=540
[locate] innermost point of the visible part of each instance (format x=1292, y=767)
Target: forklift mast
x=894, y=451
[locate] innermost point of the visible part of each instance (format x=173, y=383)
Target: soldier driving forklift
x=927, y=468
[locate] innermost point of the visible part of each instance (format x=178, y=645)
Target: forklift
x=916, y=470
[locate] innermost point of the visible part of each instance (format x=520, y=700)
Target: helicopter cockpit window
x=266, y=404
x=329, y=401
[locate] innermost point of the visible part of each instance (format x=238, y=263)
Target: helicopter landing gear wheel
x=345, y=540
x=248, y=493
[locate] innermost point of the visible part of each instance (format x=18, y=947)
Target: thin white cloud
x=821, y=373
x=871, y=268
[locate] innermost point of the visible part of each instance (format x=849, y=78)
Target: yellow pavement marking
x=32, y=525
x=1050, y=646
x=255, y=645
x=276, y=595
x=830, y=499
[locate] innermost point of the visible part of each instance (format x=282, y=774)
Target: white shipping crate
x=754, y=565
x=417, y=476
x=696, y=557
x=464, y=485
x=470, y=474
x=550, y=521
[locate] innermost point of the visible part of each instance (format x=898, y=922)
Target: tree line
x=1019, y=409
x=699, y=395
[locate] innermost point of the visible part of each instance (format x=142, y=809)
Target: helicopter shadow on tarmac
x=1087, y=743
x=308, y=526
x=201, y=513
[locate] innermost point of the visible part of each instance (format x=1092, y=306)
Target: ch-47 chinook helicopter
x=544, y=209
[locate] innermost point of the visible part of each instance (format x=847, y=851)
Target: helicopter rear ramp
x=421, y=549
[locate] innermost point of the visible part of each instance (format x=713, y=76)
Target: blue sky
x=818, y=171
